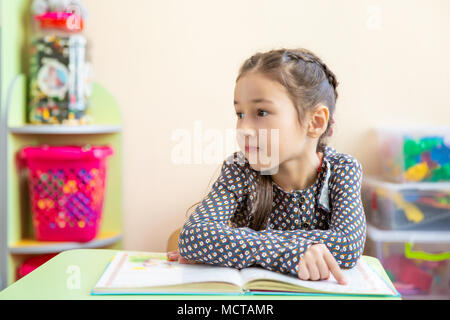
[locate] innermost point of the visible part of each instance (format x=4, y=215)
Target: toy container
x=414, y=154
x=406, y=206
x=60, y=75
x=67, y=188
x=417, y=262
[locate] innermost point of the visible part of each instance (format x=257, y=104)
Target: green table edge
x=72, y=274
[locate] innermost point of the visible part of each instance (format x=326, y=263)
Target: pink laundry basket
x=67, y=187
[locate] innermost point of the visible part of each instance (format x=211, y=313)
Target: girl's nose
x=246, y=132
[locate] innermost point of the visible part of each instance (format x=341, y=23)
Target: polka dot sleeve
x=208, y=235
x=347, y=234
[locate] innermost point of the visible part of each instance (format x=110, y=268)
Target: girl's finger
x=303, y=272
x=334, y=268
x=323, y=268
x=313, y=270
x=185, y=261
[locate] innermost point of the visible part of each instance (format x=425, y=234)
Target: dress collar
x=323, y=200
x=321, y=183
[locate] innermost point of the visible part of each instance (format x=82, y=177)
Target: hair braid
x=308, y=56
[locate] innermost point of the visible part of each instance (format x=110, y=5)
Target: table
x=73, y=273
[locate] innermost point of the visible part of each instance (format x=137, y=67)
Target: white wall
x=171, y=63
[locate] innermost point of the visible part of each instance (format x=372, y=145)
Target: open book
x=151, y=273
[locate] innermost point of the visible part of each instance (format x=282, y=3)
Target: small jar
x=59, y=74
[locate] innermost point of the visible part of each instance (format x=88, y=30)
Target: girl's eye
x=262, y=111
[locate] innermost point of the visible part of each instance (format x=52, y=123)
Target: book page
x=360, y=280
x=138, y=270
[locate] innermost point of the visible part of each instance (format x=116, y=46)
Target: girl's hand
x=175, y=255
x=317, y=263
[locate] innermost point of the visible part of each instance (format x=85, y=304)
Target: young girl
x=306, y=217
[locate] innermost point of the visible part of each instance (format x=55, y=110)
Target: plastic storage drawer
x=417, y=262
x=406, y=206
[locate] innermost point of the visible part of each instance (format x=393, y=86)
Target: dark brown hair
x=309, y=82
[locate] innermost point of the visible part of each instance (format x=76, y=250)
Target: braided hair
x=308, y=56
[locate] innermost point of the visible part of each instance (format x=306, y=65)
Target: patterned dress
x=329, y=212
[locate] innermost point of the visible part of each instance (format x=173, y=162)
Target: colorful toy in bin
x=406, y=206
x=67, y=189
x=417, y=272
x=426, y=159
x=415, y=154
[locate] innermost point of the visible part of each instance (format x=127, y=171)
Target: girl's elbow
x=188, y=241
x=183, y=240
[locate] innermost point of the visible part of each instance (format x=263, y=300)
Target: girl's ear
x=318, y=121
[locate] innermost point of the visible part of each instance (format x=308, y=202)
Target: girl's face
x=267, y=122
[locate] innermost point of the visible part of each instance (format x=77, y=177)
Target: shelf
x=31, y=246
x=16, y=133
x=64, y=129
